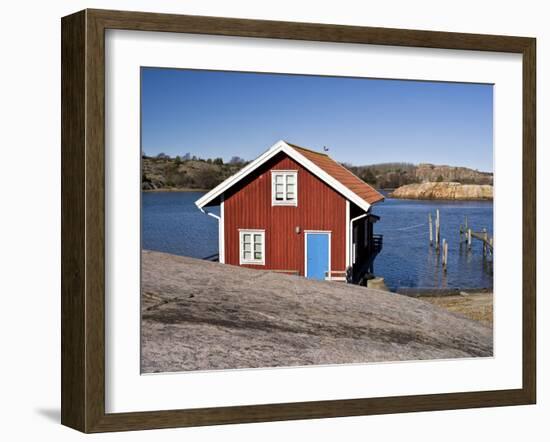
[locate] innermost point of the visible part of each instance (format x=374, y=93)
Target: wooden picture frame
x=83, y=220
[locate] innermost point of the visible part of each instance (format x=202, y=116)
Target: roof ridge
x=337, y=162
x=295, y=146
x=344, y=168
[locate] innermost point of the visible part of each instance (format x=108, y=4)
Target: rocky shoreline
x=444, y=191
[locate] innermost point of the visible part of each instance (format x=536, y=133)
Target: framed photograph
x=269, y=220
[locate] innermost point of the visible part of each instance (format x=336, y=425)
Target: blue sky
x=362, y=121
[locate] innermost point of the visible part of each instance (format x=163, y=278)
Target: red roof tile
x=341, y=174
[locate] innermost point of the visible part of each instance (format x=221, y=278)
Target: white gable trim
x=281, y=146
x=234, y=179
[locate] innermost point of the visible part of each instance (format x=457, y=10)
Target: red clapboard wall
x=248, y=206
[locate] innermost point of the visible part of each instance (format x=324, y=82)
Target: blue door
x=317, y=255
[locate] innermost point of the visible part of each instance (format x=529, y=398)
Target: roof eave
x=235, y=178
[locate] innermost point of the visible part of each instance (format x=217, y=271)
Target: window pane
x=285, y=187
x=246, y=246
x=247, y=255
x=257, y=238
x=257, y=247
x=246, y=237
x=257, y=255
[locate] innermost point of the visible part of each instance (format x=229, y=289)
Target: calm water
x=407, y=260
x=172, y=223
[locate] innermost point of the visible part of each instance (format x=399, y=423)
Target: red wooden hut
x=295, y=210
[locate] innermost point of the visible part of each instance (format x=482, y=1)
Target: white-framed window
x=252, y=246
x=284, y=187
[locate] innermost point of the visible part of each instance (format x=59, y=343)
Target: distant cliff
x=433, y=173
x=444, y=191
x=394, y=175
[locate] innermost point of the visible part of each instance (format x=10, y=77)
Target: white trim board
x=348, y=235
x=281, y=146
x=221, y=233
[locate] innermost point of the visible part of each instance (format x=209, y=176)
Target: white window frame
x=285, y=201
x=251, y=261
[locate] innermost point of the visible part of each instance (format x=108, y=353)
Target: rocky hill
x=173, y=173
x=200, y=315
x=444, y=191
x=393, y=175
x=432, y=173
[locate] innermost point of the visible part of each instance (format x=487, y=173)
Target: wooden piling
x=464, y=230
x=445, y=254
x=437, y=229
x=469, y=239
x=431, y=228
x=485, y=241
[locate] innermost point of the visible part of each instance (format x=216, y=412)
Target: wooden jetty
x=467, y=235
